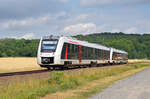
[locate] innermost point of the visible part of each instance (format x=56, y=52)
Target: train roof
x=119, y=51
x=83, y=43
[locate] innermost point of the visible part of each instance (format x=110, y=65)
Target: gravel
x=134, y=87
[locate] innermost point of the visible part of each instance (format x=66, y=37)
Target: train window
x=84, y=52
x=87, y=48
x=87, y=52
x=90, y=53
x=97, y=54
x=76, y=51
x=101, y=54
x=69, y=51
x=63, y=51
x=106, y=52
x=108, y=55
x=93, y=51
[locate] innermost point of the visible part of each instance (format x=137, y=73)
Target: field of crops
x=18, y=64
x=14, y=64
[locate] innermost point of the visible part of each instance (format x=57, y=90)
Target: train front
x=47, y=51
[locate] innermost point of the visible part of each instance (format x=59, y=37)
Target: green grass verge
x=61, y=81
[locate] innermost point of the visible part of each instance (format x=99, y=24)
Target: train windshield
x=49, y=45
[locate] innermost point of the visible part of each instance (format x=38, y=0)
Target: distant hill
x=138, y=46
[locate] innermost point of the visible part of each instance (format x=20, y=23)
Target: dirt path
x=134, y=87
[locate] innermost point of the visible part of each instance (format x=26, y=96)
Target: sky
x=31, y=19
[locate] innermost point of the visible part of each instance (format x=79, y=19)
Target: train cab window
x=49, y=45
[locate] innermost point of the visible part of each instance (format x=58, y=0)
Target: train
x=54, y=51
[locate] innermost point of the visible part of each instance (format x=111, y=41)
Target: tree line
x=138, y=46
x=18, y=47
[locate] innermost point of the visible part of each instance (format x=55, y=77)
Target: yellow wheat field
x=138, y=60
x=18, y=64
x=14, y=64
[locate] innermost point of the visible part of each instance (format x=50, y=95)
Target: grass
x=63, y=81
x=14, y=64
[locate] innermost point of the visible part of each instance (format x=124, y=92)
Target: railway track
x=22, y=73
x=45, y=70
x=6, y=78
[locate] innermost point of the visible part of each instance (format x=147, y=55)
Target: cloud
x=19, y=9
x=131, y=30
x=25, y=36
x=44, y=17
x=23, y=24
x=85, y=28
x=28, y=36
x=102, y=3
x=80, y=28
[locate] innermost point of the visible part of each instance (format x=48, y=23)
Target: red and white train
x=67, y=51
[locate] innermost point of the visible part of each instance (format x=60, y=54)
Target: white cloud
x=28, y=36
x=131, y=30
x=25, y=36
x=24, y=23
x=100, y=3
x=85, y=28
x=80, y=28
